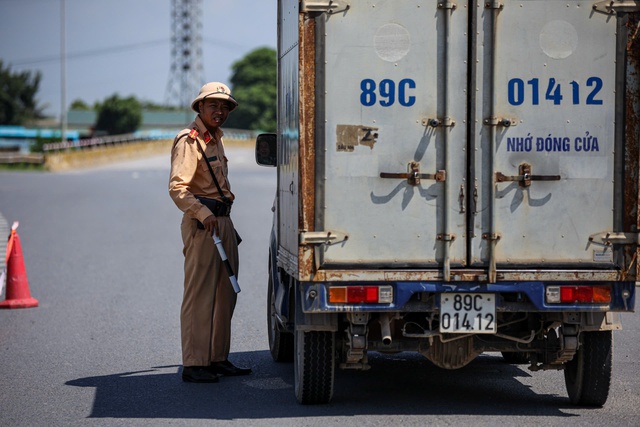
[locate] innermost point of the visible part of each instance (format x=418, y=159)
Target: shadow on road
x=402, y=384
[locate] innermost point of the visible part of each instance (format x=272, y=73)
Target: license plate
x=468, y=313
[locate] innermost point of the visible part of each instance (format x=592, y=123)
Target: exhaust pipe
x=385, y=329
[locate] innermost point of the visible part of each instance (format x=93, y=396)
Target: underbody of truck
x=546, y=325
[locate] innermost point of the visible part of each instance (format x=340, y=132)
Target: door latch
x=525, y=177
x=413, y=176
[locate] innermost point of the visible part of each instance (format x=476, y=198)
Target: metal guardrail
x=93, y=142
x=136, y=137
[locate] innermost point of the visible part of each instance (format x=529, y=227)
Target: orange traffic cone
x=17, y=295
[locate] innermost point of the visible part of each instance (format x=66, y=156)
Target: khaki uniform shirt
x=190, y=175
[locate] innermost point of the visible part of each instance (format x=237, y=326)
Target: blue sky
x=123, y=46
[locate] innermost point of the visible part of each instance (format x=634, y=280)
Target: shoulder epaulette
x=193, y=134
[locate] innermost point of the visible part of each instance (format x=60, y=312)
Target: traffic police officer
x=208, y=302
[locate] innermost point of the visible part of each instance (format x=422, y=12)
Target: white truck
x=454, y=177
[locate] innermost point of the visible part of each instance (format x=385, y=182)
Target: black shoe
x=198, y=374
x=227, y=368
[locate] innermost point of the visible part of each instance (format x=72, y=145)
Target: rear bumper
x=425, y=297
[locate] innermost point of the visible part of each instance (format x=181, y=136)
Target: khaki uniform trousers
x=209, y=299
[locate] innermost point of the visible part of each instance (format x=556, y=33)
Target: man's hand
x=211, y=224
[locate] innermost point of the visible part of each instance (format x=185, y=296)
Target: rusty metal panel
x=307, y=140
x=462, y=276
x=289, y=145
x=631, y=161
x=546, y=82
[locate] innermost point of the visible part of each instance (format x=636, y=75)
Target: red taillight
x=360, y=294
x=579, y=294
x=353, y=294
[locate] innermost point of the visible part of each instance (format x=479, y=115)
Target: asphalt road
x=103, y=256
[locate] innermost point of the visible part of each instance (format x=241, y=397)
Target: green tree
x=18, y=96
x=253, y=82
x=118, y=116
x=152, y=106
x=79, y=104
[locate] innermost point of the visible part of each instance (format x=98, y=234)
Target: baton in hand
x=225, y=260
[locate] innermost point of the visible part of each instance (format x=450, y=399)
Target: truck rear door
x=395, y=79
x=466, y=134
x=544, y=131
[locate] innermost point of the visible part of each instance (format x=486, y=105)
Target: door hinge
x=491, y=236
x=324, y=6
x=493, y=5
x=322, y=237
x=504, y=122
x=608, y=238
x=613, y=7
x=447, y=5
x=434, y=123
x=446, y=237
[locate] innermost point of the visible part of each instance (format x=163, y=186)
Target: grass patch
x=22, y=167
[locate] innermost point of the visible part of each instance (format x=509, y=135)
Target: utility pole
x=63, y=73
x=186, y=73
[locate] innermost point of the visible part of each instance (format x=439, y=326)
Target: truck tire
x=588, y=375
x=280, y=343
x=314, y=366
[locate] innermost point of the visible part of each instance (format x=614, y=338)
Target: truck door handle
x=525, y=177
x=413, y=176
